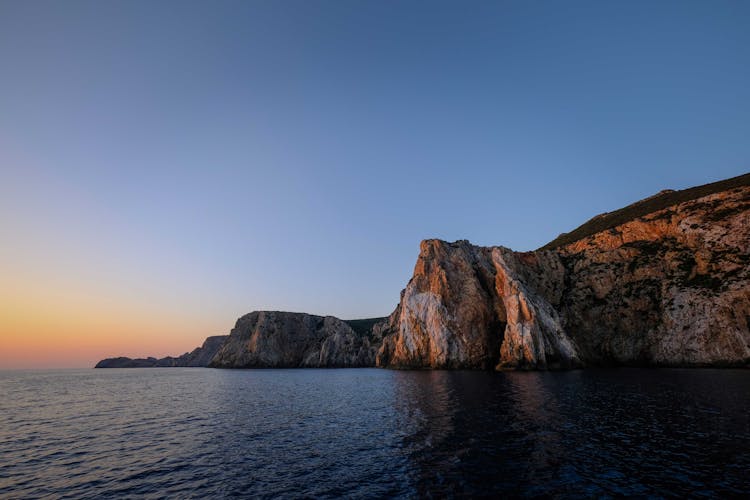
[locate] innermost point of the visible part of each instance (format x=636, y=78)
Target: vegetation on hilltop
x=638, y=209
x=363, y=326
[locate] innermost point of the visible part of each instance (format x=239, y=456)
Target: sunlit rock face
x=273, y=339
x=475, y=307
x=668, y=288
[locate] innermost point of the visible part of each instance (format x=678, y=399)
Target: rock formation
x=272, y=339
x=200, y=356
x=124, y=362
x=662, y=282
x=475, y=307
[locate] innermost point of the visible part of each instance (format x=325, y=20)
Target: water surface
x=194, y=432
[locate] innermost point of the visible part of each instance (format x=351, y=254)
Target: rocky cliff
x=273, y=339
x=200, y=356
x=662, y=282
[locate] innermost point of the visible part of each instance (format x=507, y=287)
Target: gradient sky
x=166, y=167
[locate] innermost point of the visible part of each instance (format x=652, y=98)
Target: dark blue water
x=371, y=433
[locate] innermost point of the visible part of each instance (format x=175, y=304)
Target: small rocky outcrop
x=200, y=356
x=124, y=362
x=664, y=282
x=274, y=339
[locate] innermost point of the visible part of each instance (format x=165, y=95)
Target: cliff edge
x=275, y=339
x=662, y=284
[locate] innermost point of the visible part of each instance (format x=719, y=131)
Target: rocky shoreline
x=662, y=282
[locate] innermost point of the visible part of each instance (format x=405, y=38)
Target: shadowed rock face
x=272, y=339
x=203, y=355
x=123, y=362
x=667, y=288
x=200, y=356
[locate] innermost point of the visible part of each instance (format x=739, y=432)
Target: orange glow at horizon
x=71, y=329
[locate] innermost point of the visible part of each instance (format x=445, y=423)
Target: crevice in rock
x=494, y=342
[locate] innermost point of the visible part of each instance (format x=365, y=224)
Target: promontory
x=662, y=282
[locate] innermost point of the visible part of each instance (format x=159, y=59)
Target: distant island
x=661, y=282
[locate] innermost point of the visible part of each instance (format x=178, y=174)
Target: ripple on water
x=373, y=433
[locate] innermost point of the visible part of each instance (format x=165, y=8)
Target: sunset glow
x=166, y=168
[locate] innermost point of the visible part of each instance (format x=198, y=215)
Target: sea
x=373, y=433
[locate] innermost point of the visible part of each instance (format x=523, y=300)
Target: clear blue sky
x=211, y=158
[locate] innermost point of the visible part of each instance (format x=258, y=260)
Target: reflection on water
x=373, y=433
x=599, y=432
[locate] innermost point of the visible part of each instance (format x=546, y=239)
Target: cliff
x=476, y=307
x=662, y=282
x=200, y=356
x=273, y=339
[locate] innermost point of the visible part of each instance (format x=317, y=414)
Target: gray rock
x=200, y=356
x=274, y=339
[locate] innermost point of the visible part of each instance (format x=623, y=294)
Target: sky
x=166, y=167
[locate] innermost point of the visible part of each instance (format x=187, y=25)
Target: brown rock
x=670, y=287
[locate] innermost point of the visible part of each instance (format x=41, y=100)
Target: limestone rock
x=474, y=307
x=664, y=281
x=273, y=339
x=668, y=287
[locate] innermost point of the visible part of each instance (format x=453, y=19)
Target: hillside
x=669, y=286
x=643, y=207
